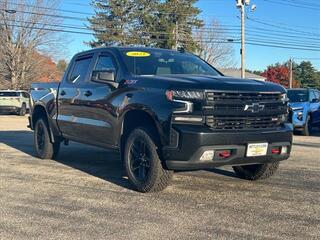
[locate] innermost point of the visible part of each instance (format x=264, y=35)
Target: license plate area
x=257, y=149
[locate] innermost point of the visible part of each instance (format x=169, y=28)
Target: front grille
x=255, y=97
x=234, y=111
x=240, y=123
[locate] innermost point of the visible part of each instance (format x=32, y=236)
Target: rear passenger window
x=105, y=63
x=80, y=70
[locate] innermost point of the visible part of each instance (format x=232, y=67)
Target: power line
x=48, y=15
x=293, y=4
x=281, y=27
x=281, y=46
x=159, y=33
x=45, y=29
x=49, y=8
x=264, y=38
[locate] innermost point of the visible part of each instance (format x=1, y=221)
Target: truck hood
x=208, y=82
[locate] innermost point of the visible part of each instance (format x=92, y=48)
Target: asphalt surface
x=84, y=195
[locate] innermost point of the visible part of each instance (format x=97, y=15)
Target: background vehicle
x=305, y=109
x=12, y=101
x=164, y=111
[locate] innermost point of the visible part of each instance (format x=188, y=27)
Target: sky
x=297, y=21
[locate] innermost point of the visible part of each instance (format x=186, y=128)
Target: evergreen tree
x=177, y=19
x=306, y=74
x=112, y=22
x=145, y=22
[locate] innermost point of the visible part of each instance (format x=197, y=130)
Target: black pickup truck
x=163, y=111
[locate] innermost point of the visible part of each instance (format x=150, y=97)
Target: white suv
x=14, y=101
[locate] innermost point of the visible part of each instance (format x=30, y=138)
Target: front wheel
x=43, y=146
x=256, y=171
x=22, y=110
x=142, y=163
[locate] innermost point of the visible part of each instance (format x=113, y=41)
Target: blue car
x=304, y=109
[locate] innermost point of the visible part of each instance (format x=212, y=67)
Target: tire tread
x=260, y=171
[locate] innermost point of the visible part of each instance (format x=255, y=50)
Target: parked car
x=163, y=111
x=12, y=101
x=305, y=109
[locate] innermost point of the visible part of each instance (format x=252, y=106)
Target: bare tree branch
x=211, y=49
x=24, y=34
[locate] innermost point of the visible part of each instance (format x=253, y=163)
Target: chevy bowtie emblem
x=255, y=107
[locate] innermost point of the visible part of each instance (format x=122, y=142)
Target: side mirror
x=105, y=76
x=315, y=100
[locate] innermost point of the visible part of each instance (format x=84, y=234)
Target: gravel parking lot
x=84, y=195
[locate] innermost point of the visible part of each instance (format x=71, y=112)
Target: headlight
x=284, y=97
x=300, y=116
x=184, y=95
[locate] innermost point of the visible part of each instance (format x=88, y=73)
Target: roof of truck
x=138, y=48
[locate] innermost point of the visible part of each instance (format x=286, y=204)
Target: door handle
x=88, y=93
x=63, y=93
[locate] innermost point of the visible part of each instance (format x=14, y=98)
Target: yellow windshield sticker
x=138, y=54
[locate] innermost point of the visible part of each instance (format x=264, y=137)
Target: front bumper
x=5, y=109
x=193, y=141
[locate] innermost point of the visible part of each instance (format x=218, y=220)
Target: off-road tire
x=307, y=128
x=47, y=150
x=257, y=171
x=157, y=178
x=23, y=110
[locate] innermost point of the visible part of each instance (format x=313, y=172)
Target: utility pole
x=291, y=73
x=176, y=36
x=241, y=4
x=243, y=45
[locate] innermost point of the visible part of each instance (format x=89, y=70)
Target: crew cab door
x=70, y=112
x=97, y=110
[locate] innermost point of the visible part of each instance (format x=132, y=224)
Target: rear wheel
x=257, y=171
x=43, y=146
x=23, y=110
x=307, y=128
x=142, y=163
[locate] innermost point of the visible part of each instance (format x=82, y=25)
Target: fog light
x=284, y=150
x=300, y=116
x=188, y=119
x=207, y=155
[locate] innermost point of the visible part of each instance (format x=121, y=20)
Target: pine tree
x=177, y=19
x=144, y=22
x=306, y=74
x=112, y=22
x=165, y=24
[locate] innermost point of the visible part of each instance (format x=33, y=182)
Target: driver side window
x=80, y=70
x=105, y=63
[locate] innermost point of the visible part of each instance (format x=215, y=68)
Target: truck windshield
x=164, y=62
x=9, y=94
x=298, y=95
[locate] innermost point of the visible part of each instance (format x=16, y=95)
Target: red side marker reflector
x=275, y=151
x=225, y=154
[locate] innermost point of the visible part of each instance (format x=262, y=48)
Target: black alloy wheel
x=45, y=149
x=139, y=159
x=142, y=162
